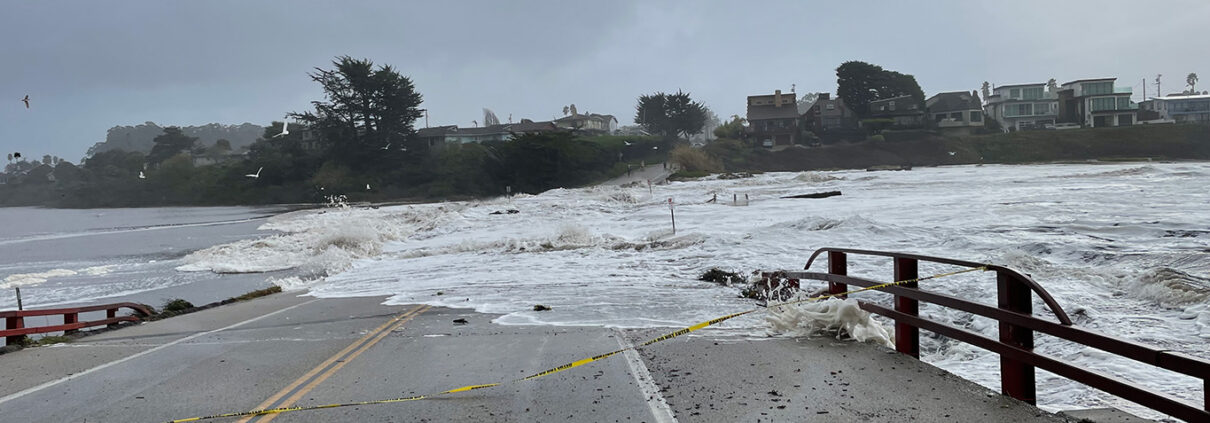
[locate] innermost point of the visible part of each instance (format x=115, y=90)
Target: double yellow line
x=330, y=366
x=353, y=350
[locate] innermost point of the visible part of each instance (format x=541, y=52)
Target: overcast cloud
x=88, y=66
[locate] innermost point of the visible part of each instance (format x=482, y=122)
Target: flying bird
x=26, y=100
x=655, y=148
x=255, y=175
x=284, y=131
x=387, y=147
x=953, y=153
x=367, y=187
x=627, y=143
x=141, y=175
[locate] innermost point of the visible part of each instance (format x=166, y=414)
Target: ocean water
x=1124, y=248
x=60, y=256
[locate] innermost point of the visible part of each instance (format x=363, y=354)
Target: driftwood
x=815, y=195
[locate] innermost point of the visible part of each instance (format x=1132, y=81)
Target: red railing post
x=69, y=318
x=109, y=314
x=14, y=322
x=907, y=337
x=838, y=264
x=1016, y=378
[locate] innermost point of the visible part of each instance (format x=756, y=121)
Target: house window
x=1014, y=93
x=1042, y=108
x=976, y=116
x=831, y=107
x=956, y=116
x=1031, y=93
x=1015, y=110
x=1102, y=103
x=1097, y=88
x=1123, y=103
x=892, y=104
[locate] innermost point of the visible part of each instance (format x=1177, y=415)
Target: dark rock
x=721, y=277
x=815, y=195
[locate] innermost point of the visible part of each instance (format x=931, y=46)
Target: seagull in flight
x=953, y=153
x=655, y=148
x=26, y=100
x=387, y=147
x=627, y=143
x=284, y=131
x=141, y=175
x=367, y=187
x=255, y=175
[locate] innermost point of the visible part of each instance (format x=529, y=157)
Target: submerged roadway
x=286, y=350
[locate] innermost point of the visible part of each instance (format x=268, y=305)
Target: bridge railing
x=15, y=329
x=1017, y=324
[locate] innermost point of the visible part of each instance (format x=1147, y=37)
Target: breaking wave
x=318, y=243
x=815, y=177
x=1171, y=287
x=1133, y=171
x=30, y=279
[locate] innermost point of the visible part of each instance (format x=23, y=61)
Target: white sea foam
x=318, y=243
x=30, y=279
x=836, y=317
x=815, y=177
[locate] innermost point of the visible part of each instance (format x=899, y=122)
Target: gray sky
x=88, y=65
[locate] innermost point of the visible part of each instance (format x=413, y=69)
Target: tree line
x=359, y=141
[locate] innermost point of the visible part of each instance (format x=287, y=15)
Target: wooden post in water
x=672, y=212
x=19, y=305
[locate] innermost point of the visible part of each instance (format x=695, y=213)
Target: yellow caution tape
x=577, y=363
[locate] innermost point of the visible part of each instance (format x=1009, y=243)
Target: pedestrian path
x=656, y=173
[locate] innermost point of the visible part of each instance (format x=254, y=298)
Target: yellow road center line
x=302, y=379
x=331, y=371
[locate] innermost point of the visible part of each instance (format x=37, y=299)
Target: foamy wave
x=569, y=237
x=28, y=279
x=319, y=243
x=1133, y=171
x=98, y=270
x=815, y=177
x=1171, y=287
x=817, y=223
x=844, y=318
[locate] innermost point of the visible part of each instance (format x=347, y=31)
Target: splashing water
x=840, y=318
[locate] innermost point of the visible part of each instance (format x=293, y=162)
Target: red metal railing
x=1014, y=312
x=14, y=321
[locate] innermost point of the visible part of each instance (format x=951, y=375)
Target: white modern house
x=1096, y=103
x=1023, y=106
x=1181, y=108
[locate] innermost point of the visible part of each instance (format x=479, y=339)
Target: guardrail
x=1017, y=324
x=14, y=321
